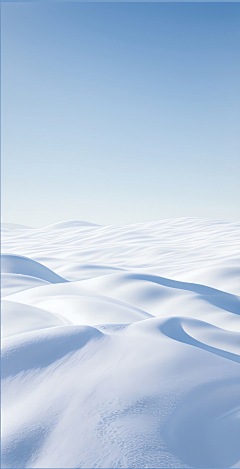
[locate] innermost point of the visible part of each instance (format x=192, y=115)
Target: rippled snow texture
x=121, y=345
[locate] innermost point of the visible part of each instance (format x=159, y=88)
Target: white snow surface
x=121, y=345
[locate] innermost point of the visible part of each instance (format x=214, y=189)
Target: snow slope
x=121, y=345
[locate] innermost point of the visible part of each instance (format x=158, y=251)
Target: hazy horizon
x=120, y=113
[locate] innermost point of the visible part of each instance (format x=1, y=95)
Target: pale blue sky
x=120, y=112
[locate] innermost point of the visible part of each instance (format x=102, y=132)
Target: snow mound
x=41, y=349
x=13, y=264
x=18, y=318
x=14, y=226
x=66, y=225
x=13, y=283
x=134, y=360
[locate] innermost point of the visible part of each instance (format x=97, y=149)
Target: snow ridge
x=121, y=345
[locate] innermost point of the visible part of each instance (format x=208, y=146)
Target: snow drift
x=121, y=345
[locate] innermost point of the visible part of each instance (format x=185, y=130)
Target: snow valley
x=121, y=345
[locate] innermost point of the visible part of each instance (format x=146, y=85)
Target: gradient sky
x=120, y=112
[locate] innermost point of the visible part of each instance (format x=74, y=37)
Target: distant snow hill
x=121, y=345
x=14, y=226
x=60, y=225
x=69, y=225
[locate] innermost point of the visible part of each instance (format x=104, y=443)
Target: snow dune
x=121, y=345
x=12, y=264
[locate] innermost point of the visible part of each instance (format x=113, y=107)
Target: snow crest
x=121, y=345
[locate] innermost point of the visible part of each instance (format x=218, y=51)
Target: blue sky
x=120, y=112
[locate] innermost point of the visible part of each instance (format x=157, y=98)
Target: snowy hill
x=121, y=345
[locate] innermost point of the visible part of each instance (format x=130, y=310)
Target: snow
x=120, y=345
x=12, y=264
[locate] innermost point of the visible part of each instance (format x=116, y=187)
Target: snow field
x=121, y=345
